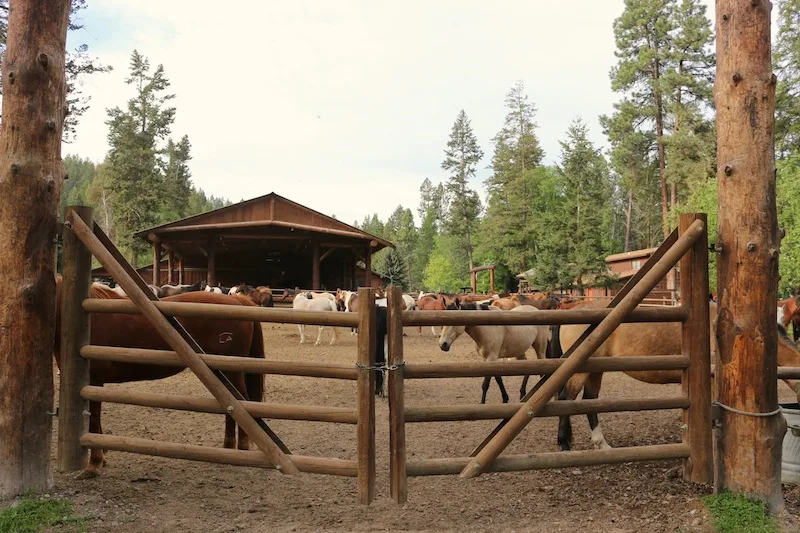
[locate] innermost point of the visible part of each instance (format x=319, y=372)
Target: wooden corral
x=268, y=240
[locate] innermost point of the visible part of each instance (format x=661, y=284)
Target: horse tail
x=255, y=382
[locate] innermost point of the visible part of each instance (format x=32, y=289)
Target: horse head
x=449, y=335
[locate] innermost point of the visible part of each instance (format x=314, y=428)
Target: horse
x=217, y=289
x=409, y=302
x=501, y=342
x=539, y=303
x=428, y=302
x=305, y=301
x=640, y=339
x=172, y=290
x=788, y=314
x=222, y=337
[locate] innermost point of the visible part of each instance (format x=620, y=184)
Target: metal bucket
x=790, y=465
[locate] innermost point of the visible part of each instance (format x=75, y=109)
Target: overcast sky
x=346, y=107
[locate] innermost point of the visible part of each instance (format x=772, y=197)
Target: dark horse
x=223, y=337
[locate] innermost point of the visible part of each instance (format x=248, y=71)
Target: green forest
x=554, y=222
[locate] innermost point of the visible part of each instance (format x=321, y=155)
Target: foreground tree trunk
x=31, y=175
x=748, y=447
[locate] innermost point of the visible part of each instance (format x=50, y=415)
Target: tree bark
x=662, y=162
x=31, y=180
x=748, y=447
x=628, y=212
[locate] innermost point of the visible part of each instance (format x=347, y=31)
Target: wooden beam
x=31, y=181
x=211, y=275
x=157, y=262
x=748, y=447
x=181, y=270
x=368, y=267
x=170, y=266
x=315, y=261
x=696, y=345
x=74, y=333
x=365, y=431
x=397, y=428
x=327, y=254
x=268, y=223
x=557, y=380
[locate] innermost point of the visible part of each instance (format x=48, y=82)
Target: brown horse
x=640, y=339
x=428, y=302
x=223, y=337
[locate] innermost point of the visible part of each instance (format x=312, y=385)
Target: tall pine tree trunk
x=31, y=180
x=662, y=163
x=628, y=212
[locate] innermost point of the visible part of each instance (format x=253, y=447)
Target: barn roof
x=265, y=216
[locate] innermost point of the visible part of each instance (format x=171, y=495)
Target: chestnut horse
x=222, y=337
x=641, y=339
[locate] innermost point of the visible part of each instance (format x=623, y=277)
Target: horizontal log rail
x=514, y=463
x=311, y=413
x=227, y=312
x=453, y=413
x=542, y=366
x=192, y=452
x=226, y=363
x=548, y=317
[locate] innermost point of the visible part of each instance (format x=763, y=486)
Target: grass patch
x=734, y=513
x=32, y=514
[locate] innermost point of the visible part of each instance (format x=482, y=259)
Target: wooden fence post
x=696, y=380
x=365, y=430
x=748, y=445
x=397, y=429
x=31, y=180
x=73, y=411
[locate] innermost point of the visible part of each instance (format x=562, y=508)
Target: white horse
x=409, y=301
x=306, y=302
x=501, y=342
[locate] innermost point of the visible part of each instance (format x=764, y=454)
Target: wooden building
x=268, y=240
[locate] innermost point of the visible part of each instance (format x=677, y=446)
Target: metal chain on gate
x=382, y=367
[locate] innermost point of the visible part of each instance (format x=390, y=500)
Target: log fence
x=687, y=244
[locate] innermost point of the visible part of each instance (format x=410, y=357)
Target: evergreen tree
x=177, y=180
x=787, y=67
x=510, y=225
x=432, y=199
x=426, y=240
x=80, y=174
x=643, y=35
x=134, y=137
x=101, y=197
x=461, y=159
x=395, y=269
x=78, y=65
x=582, y=214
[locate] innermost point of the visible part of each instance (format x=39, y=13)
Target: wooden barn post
x=157, y=262
x=211, y=274
x=315, y=264
x=365, y=430
x=31, y=176
x=397, y=429
x=368, y=266
x=748, y=444
x=170, y=267
x=73, y=410
x=696, y=344
x=181, y=270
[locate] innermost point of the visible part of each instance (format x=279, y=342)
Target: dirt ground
x=138, y=493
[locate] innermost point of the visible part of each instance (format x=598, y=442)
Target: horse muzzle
x=444, y=346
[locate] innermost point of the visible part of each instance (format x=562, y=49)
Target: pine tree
x=432, y=199
x=134, y=137
x=394, y=269
x=177, y=180
x=510, y=224
x=464, y=205
x=787, y=67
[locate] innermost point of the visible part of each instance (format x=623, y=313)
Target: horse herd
x=245, y=338
x=261, y=295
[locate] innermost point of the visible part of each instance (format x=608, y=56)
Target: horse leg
x=302, y=329
x=319, y=335
x=591, y=391
x=230, y=432
x=241, y=384
x=96, y=456
x=485, y=388
x=503, y=392
x=335, y=335
x=433, y=329
x=524, y=387
x=569, y=391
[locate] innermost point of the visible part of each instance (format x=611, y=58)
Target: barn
x=269, y=240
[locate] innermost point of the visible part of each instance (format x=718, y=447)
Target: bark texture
x=31, y=178
x=748, y=447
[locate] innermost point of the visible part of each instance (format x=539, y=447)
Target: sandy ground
x=139, y=493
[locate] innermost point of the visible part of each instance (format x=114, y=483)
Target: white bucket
x=790, y=464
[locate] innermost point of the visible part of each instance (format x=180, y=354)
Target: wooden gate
x=687, y=244
x=82, y=240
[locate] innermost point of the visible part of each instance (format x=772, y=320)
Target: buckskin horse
x=221, y=337
x=641, y=339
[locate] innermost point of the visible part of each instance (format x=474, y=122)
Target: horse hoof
x=87, y=474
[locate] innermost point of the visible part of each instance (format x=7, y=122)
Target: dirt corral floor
x=140, y=493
